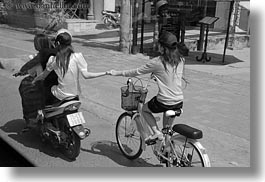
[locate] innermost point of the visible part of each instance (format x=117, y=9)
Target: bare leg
x=167, y=122
x=150, y=119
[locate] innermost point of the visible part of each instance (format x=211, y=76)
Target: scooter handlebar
x=19, y=74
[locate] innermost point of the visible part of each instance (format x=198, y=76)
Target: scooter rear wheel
x=72, y=150
x=71, y=147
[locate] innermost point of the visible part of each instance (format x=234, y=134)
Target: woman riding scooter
x=35, y=97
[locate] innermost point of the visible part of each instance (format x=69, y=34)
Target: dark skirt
x=32, y=97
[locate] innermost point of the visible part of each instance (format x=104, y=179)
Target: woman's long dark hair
x=41, y=41
x=63, y=57
x=65, y=50
x=171, y=56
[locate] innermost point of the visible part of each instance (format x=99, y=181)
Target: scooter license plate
x=76, y=119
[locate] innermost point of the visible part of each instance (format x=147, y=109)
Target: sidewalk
x=236, y=61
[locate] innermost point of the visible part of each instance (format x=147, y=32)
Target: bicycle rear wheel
x=128, y=137
x=187, y=154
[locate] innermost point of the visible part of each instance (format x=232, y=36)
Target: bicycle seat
x=173, y=113
x=67, y=99
x=187, y=131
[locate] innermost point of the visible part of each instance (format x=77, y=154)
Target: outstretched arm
x=144, y=69
x=82, y=65
x=116, y=73
x=89, y=75
x=42, y=76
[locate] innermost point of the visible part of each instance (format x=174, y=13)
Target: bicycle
x=179, y=148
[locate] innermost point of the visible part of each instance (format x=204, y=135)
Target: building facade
x=91, y=10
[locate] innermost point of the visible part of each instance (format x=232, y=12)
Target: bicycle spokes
x=185, y=155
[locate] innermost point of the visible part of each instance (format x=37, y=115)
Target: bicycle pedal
x=165, y=130
x=162, y=160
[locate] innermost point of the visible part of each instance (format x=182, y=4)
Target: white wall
x=244, y=15
x=109, y=5
x=222, y=11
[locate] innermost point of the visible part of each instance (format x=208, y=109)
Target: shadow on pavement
x=111, y=45
x=109, y=39
x=29, y=139
x=102, y=35
x=216, y=59
x=100, y=40
x=112, y=151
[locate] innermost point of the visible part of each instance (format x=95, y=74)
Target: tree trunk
x=125, y=26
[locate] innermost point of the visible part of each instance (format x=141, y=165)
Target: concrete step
x=238, y=41
x=80, y=26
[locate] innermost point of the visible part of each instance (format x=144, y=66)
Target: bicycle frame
x=145, y=131
x=141, y=125
x=202, y=150
x=179, y=145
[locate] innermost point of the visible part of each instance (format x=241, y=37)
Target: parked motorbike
x=60, y=124
x=111, y=19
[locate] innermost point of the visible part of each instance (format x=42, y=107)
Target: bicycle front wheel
x=128, y=137
x=188, y=153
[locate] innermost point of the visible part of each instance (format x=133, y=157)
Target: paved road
x=218, y=104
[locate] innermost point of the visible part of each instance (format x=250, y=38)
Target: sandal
x=29, y=125
x=152, y=138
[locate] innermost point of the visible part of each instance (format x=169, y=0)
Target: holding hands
x=114, y=73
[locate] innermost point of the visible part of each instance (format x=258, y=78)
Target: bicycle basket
x=130, y=99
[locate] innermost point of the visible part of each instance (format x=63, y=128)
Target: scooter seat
x=114, y=12
x=67, y=99
x=187, y=131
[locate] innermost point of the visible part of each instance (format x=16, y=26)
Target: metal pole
x=156, y=28
x=142, y=27
x=233, y=27
x=202, y=30
x=135, y=27
x=228, y=27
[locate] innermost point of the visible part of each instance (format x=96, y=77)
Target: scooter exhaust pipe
x=81, y=131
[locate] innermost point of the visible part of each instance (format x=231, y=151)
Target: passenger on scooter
x=33, y=96
x=67, y=64
x=37, y=64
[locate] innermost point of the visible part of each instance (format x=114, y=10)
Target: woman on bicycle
x=67, y=64
x=167, y=70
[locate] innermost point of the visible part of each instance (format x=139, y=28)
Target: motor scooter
x=111, y=18
x=60, y=124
